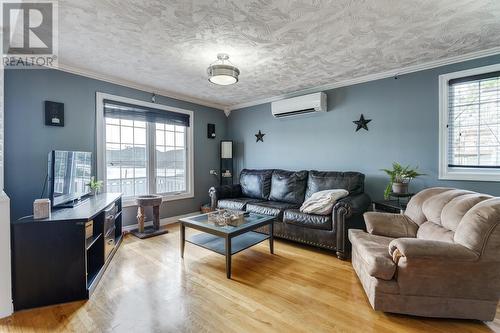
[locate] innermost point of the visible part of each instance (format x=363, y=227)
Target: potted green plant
x=95, y=186
x=399, y=177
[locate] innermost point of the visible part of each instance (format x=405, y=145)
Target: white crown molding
x=373, y=77
x=138, y=86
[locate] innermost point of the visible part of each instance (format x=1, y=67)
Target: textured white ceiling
x=279, y=46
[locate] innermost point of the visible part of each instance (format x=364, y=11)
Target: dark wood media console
x=53, y=261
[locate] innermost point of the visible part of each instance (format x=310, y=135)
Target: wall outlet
x=213, y=172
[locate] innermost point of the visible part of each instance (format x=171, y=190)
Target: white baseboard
x=165, y=221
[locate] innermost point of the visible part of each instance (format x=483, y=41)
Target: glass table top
x=250, y=220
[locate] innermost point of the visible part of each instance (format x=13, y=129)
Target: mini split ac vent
x=301, y=105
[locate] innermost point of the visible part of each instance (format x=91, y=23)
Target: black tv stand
x=73, y=203
x=52, y=259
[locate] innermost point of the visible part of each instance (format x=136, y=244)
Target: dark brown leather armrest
x=348, y=213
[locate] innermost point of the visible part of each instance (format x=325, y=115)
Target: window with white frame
x=470, y=124
x=146, y=148
x=126, y=156
x=170, y=158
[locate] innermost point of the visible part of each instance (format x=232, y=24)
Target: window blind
x=121, y=110
x=474, y=121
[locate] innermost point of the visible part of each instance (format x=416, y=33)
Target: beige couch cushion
x=433, y=231
x=373, y=251
x=479, y=226
x=414, y=208
x=455, y=210
x=371, y=284
x=433, y=208
x=390, y=225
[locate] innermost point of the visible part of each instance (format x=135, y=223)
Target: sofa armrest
x=347, y=214
x=222, y=192
x=390, y=225
x=358, y=204
x=414, y=248
x=442, y=269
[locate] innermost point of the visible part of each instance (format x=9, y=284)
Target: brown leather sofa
x=440, y=259
x=280, y=193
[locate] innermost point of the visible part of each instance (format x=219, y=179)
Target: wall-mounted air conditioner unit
x=299, y=105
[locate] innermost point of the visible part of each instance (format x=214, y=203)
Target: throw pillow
x=321, y=203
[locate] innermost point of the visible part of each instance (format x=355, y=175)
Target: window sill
x=130, y=202
x=471, y=175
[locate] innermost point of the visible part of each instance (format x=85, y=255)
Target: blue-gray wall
x=28, y=140
x=404, y=128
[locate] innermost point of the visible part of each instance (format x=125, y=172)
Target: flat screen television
x=68, y=176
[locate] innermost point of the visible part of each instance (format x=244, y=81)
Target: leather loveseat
x=440, y=259
x=280, y=193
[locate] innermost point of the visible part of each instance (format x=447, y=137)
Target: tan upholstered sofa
x=440, y=259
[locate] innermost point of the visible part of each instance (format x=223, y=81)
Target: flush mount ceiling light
x=223, y=72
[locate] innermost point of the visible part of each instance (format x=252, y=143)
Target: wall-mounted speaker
x=211, y=131
x=54, y=114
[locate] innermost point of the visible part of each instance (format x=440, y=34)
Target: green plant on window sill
x=95, y=185
x=399, y=177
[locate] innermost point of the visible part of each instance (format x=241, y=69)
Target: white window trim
x=101, y=143
x=445, y=172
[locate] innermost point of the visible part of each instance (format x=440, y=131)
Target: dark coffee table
x=227, y=240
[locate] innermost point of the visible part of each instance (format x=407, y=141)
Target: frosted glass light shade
x=223, y=80
x=222, y=72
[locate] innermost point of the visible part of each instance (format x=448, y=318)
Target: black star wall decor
x=259, y=136
x=362, y=123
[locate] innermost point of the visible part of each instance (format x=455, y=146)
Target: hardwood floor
x=147, y=287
